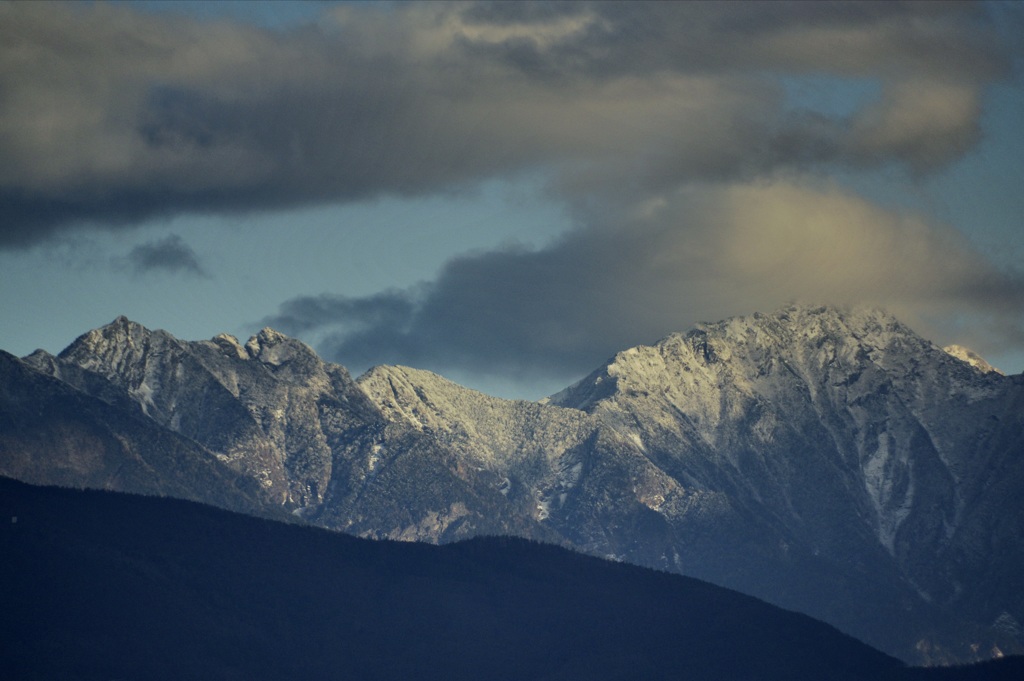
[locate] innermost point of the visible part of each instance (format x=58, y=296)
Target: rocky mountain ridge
x=972, y=358
x=827, y=460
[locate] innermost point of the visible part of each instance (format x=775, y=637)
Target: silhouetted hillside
x=100, y=585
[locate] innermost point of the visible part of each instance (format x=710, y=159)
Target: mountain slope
x=100, y=585
x=827, y=460
x=868, y=445
x=299, y=427
x=51, y=433
x=271, y=408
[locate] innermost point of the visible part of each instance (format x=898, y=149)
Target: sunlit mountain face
x=829, y=460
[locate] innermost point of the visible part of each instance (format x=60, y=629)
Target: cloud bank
x=629, y=277
x=110, y=115
x=665, y=128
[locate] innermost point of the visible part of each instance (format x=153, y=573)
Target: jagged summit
x=120, y=331
x=972, y=358
x=796, y=325
x=230, y=345
x=118, y=349
x=798, y=339
x=131, y=341
x=274, y=348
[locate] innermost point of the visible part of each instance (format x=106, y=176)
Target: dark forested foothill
x=100, y=585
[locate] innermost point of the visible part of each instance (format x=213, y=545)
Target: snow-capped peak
x=230, y=345
x=274, y=348
x=113, y=349
x=802, y=338
x=122, y=332
x=971, y=357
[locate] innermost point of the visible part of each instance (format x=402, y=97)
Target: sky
x=508, y=193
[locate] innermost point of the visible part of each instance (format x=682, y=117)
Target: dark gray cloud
x=110, y=115
x=849, y=39
x=699, y=254
x=170, y=254
x=390, y=309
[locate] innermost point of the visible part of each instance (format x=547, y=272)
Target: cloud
x=926, y=124
x=308, y=313
x=110, y=115
x=170, y=254
x=632, y=274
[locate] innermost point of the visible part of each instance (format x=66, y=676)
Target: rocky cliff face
x=575, y=480
x=270, y=409
x=884, y=422
x=51, y=433
x=868, y=446
x=826, y=460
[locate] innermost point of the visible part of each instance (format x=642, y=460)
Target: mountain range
x=827, y=460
